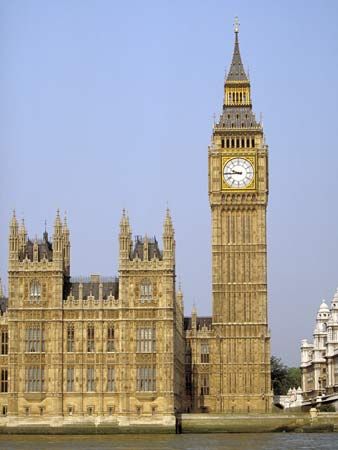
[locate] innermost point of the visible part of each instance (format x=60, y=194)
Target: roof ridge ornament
x=236, y=25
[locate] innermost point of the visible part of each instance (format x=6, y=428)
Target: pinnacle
x=236, y=71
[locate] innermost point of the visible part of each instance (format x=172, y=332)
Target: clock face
x=238, y=173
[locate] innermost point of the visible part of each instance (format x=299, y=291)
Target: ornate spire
x=58, y=223
x=236, y=71
x=124, y=224
x=14, y=222
x=168, y=224
x=65, y=228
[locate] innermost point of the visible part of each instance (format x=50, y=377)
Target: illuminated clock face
x=238, y=173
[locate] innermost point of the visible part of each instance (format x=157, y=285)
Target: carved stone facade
x=238, y=373
x=92, y=346
x=121, y=347
x=319, y=360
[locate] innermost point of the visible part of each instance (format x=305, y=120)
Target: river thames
x=264, y=441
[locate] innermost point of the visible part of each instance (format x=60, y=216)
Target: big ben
x=238, y=195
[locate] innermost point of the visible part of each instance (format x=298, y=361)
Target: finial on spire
x=236, y=25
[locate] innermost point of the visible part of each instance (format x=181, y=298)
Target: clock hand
x=234, y=172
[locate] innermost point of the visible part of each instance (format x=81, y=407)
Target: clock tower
x=238, y=195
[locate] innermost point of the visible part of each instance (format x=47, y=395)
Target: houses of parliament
x=121, y=347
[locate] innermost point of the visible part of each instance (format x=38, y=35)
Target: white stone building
x=319, y=360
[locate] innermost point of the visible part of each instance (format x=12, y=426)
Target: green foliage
x=327, y=408
x=283, y=377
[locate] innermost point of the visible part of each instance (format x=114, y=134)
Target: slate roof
x=236, y=71
x=89, y=287
x=45, y=249
x=238, y=117
x=153, y=248
x=200, y=322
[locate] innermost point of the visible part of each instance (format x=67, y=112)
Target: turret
x=168, y=238
x=334, y=308
x=35, y=250
x=57, y=238
x=194, y=318
x=22, y=236
x=125, y=237
x=13, y=238
x=320, y=332
x=66, y=246
x=179, y=297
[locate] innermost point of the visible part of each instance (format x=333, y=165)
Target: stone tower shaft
x=238, y=193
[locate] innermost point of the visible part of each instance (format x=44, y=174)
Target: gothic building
x=121, y=346
x=319, y=360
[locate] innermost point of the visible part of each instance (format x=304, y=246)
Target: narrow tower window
x=35, y=291
x=111, y=379
x=70, y=338
x=110, y=339
x=90, y=379
x=222, y=143
x=204, y=352
x=4, y=380
x=205, y=389
x=4, y=342
x=90, y=339
x=70, y=379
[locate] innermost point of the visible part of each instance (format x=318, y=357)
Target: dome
x=324, y=307
x=334, y=303
x=323, y=314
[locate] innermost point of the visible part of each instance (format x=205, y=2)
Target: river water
x=264, y=441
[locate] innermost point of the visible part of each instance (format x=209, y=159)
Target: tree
x=279, y=373
x=294, y=377
x=283, y=377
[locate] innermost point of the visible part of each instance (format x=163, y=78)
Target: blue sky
x=108, y=105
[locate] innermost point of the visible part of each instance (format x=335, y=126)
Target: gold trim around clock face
x=251, y=186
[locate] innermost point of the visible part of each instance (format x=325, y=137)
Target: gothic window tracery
x=146, y=291
x=35, y=291
x=204, y=352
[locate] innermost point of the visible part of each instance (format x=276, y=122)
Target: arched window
x=228, y=143
x=70, y=337
x=35, y=291
x=146, y=291
x=222, y=143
